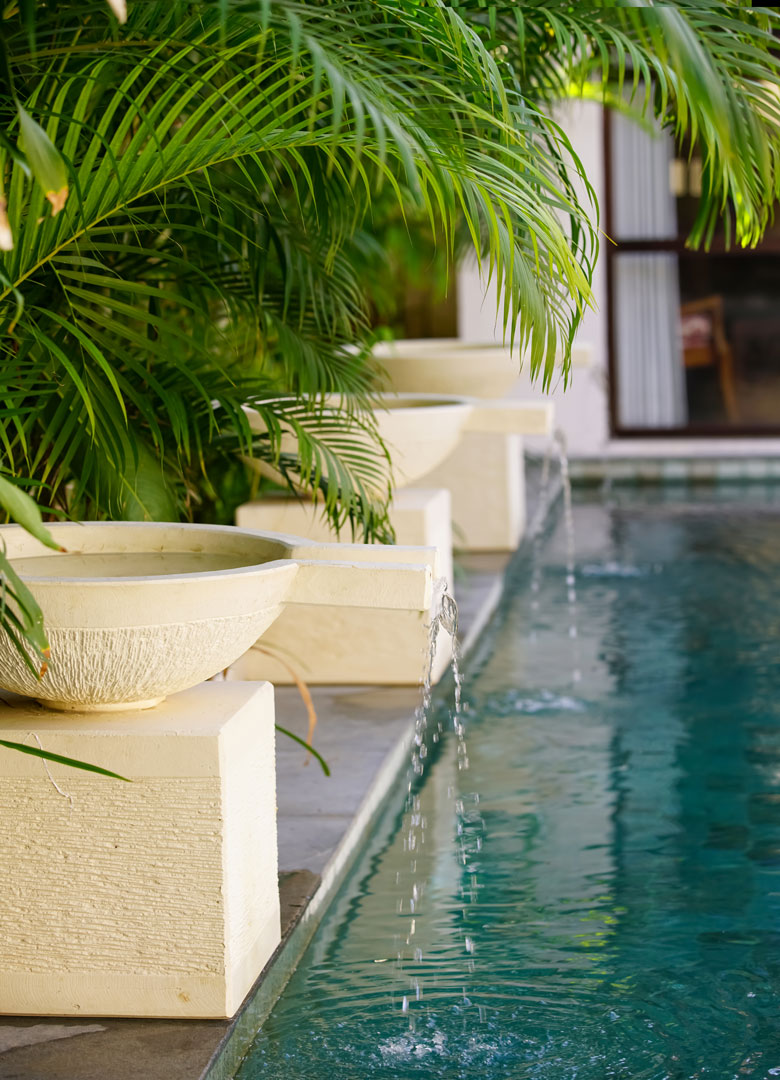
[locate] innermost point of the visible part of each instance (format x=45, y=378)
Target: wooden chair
x=705, y=344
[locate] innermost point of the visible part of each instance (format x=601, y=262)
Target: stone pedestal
x=344, y=645
x=156, y=898
x=486, y=477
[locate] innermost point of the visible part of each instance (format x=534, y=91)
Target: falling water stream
x=557, y=448
x=409, y=955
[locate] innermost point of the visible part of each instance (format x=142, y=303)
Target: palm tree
x=197, y=232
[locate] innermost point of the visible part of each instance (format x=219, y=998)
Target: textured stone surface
x=355, y=724
x=136, y=663
x=129, y=1049
x=350, y=645
x=99, y=884
x=156, y=897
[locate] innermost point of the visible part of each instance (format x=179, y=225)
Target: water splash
x=571, y=580
x=515, y=702
x=614, y=569
x=547, y=493
x=469, y=826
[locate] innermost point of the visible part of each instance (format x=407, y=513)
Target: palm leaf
x=72, y=763
x=224, y=159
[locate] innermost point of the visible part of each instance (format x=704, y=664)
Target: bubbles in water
x=509, y=702
x=405, y=1048
x=612, y=570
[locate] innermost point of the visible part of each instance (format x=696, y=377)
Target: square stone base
x=486, y=477
x=156, y=898
x=344, y=645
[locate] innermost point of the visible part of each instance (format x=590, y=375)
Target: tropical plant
x=224, y=161
x=188, y=206
x=220, y=168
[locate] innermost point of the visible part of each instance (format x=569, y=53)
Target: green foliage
x=20, y=616
x=302, y=742
x=25, y=512
x=223, y=171
x=230, y=165
x=193, y=204
x=73, y=763
x=708, y=69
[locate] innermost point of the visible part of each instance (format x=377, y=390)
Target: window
x=694, y=336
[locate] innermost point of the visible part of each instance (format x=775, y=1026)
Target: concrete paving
x=363, y=734
x=357, y=728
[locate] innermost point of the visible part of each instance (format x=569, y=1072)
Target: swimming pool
x=597, y=897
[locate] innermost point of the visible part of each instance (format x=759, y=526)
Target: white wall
x=581, y=411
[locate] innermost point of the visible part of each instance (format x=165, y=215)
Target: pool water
x=598, y=894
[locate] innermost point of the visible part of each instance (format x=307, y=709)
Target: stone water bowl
x=420, y=431
x=136, y=611
x=451, y=366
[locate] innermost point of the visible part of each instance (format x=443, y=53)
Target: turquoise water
x=597, y=897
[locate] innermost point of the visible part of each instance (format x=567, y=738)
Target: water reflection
x=618, y=919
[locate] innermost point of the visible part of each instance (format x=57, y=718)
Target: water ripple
x=511, y=702
x=608, y=910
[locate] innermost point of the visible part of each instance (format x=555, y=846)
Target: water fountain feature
x=138, y=610
x=571, y=580
x=410, y=971
x=545, y=496
x=157, y=897
x=626, y=884
x=422, y=432
x=484, y=473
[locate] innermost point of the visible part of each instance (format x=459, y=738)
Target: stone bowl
x=136, y=611
x=448, y=366
x=420, y=431
x=451, y=366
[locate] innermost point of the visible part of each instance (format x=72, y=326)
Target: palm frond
x=708, y=69
x=223, y=159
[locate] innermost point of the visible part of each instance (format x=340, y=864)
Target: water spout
x=469, y=826
x=547, y=494
x=571, y=580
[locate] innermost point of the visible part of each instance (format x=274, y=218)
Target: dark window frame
x=676, y=245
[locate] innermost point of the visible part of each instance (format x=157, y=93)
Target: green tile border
x=663, y=470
